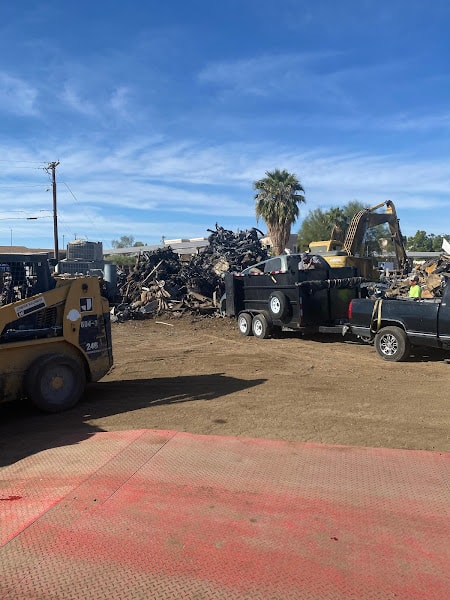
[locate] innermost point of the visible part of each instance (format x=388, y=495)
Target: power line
x=23, y=162
x=24, y=218
x=76, y=200
x=15, y=187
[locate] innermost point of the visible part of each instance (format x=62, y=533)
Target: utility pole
x=52, y=167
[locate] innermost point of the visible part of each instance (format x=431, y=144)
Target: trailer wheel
x=245, y=324
x=55, y=382
x=278, y=305
x=392, y=344
x=261, y=327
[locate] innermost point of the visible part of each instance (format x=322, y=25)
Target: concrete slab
x=163, y=514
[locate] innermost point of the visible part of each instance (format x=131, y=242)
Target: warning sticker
x=30, y=307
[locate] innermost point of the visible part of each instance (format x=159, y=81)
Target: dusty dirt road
x=201, y=376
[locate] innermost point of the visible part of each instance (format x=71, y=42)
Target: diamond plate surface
x=160, y=514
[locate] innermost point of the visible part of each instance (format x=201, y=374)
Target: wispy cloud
x=284, y=75
x=180, y=189
x=418, y=122
x=187, y=177
x=17, y=96
x=119, y=101
x=75, y=101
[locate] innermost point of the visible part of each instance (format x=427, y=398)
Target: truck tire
x=245, y=324
x=392, y=344
x=261, y=326
x=55, y=382
x=278, y=305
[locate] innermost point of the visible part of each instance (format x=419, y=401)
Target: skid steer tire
x=392, y=344
x=55, y=382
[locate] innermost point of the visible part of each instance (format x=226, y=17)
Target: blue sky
x=163, y=114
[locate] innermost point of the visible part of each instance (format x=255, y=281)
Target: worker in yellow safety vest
x=415, y=291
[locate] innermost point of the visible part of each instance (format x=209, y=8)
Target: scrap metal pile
x=161, y=282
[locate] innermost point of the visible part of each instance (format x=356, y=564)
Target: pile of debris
x=432, y=277
x=433, y=274
x=160, y=282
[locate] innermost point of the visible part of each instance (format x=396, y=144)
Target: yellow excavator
x=55, y=333
x=350, y=251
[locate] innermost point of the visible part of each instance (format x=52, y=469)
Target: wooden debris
x=432, y=275
x=160, y=282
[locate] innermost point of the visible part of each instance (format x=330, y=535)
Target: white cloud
x=17, y=96
x=161, y=170
x=72, y=98
x=418, y=122
x=283, y=75
x=150, y=188
x=119, y=101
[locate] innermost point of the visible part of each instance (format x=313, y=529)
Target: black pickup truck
x=394, y=325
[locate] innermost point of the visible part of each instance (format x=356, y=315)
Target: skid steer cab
x=55, y=333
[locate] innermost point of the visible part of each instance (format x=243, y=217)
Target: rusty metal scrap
x=161, y=282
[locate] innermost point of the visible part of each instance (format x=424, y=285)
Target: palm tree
x=337, y=223
x=277, y=200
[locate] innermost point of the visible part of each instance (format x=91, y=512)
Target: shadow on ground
x=418, y=353
x=25, y=431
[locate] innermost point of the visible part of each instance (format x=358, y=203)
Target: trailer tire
x=278, y=305
x=261, y=326
x=392, y=344
x=55, y=382
x=245, y=324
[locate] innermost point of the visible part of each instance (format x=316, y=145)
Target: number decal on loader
x=92, y=337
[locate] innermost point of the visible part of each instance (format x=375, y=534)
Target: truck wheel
x=278, y=305
x=55, y=382
x=392, y=344
x=245, y=324
x=261, y=327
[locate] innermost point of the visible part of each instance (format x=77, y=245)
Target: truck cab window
x=273, y=264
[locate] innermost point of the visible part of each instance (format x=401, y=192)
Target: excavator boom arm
x=368, y=218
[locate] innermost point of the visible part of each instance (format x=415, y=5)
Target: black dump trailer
x=280, y=293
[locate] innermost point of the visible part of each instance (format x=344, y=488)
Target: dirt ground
x=201, y=376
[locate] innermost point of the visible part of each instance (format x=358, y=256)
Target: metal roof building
x=181, y=246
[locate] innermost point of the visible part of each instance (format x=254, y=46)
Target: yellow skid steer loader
x=55, y=333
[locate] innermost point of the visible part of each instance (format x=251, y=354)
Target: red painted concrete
x=160, y=514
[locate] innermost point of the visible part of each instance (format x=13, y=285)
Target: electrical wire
x=76, y=200
x=15, y=187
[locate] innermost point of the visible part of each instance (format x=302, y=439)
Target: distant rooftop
x=179, y=245
x=25, y=250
